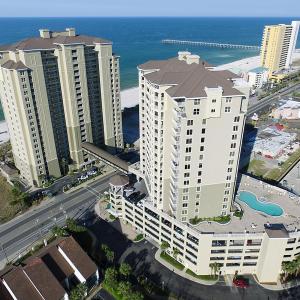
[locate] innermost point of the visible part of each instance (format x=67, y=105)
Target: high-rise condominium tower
x=278, y=45
x=57, y=91
x=191, y=127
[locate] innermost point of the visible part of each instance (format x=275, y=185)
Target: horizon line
x=240, y=17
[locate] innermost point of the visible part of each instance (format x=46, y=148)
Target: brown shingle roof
x=20, y=285
x=189, y=80
x=57, y=264
x=12, y=65
x=44, y=280
x=50, y=43
x=78, y=257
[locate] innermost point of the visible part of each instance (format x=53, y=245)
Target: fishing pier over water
x=208, y=44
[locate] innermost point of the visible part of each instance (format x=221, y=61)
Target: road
x=18, y=234
x=269, y=99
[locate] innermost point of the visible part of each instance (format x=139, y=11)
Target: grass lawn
x=257, y=167
x=202, y=277
x=7, y=211
x=172, y=261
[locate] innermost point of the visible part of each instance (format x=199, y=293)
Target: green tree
x=164, y=246
x=73, y=226
x=137, y=296
x=59, y=231
x=125, y=269
x=124, y=289
x=79, y=292
x=215, y=268
x=109, y=254
x=111, y=277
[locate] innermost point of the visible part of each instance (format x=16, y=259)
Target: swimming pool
x=268, y=208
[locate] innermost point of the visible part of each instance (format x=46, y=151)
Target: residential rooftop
x=189, y=76
x=51, y=40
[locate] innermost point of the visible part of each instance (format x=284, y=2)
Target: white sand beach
x=4, y=134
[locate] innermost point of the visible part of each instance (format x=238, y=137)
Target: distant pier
x=207, y=44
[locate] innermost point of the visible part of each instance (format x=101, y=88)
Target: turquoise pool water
x=268, y=208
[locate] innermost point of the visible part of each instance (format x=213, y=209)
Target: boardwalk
x=207, y=44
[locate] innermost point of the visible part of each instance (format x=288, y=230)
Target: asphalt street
x=19, y=234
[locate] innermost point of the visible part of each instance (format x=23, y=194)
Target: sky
x=127, y=8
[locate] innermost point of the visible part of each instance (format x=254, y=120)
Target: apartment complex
x=58, y=91
x=191, y=125
x=278, y=45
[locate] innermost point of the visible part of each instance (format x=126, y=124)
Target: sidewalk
x=279, y=286
x=183, y=272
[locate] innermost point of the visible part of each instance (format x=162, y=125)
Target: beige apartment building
x=278, y=45
x=57, y=91
x=191, y=127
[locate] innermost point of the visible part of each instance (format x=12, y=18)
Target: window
x=198, y=189
x=196, y=111
x=213, y=110
x=197, y=101
x=202, y=148
x=187, y=167
x=236, y=119
x=184, y=205
x=214, y=100
x=200, y=165
x=203, y=130
x=235, y=128
x=186, y=175
x=187, y=158
x=230, y=162
x=202, y=140
x=233, y=145
x=199, y=180
x=185, y=190
x=228, y=100
x=234, y=136
x=228, y=177
x=227, y=109
x=190, y=122
x=231, y=154
x=201, y=157
x=186, y=182
x=229, y=170
x=185, y=198
x=188, y=141
x=199, y=173
x=188, y=149
x=189, y=132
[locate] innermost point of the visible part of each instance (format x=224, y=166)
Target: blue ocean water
x=137, y=40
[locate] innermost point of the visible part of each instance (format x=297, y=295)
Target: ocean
x=137, y=40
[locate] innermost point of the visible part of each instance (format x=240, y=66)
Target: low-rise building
x=289, y=110
x=257, y=77
x=50, y=274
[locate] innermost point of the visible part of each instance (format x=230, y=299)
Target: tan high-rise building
x=57, y=91
x=191, y=127
x=278, y=45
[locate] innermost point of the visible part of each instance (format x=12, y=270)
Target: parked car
x=83, y=177
x=240, y=282
x=91, y=172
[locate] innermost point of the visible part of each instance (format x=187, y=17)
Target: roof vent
x=45, y=33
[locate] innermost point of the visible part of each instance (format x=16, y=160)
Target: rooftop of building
x=189, y=76
x=41, y=276
x=259, y=70
x=51, y=40
x=255, y=221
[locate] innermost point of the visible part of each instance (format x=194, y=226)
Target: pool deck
x=253, y=221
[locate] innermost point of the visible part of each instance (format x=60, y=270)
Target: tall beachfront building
x=191, y=127
x=278, y=45
x=58, y=91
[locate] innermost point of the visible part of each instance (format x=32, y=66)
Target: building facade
x=278, y=45
x=185, y=107
x=257, y=77
x=58, y=91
